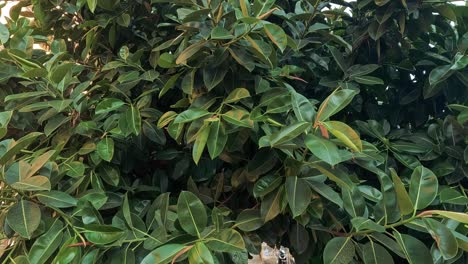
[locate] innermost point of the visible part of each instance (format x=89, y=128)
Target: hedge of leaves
x=138, y=131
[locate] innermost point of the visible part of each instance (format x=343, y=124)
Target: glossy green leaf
x=344, y=133
x=266, y=184
x=335, y=103
x=45, y=246
x=423, y=187
x=105, y=149
x=24, y=218
x=414, y=250
x=288, y=133
x=108, y=105
x=249, y=220
x=443, y=236
x=228, y=240
x=303, y=109
x=298, y=194
x=276, y=35
x=324, y=149
x=404, y=201
x=373, y=253
x=56, y=199
x=200, y=143
x=369, y=80
x=271, y=205
x=237, y=95
x=217, y=139
x=191, y=213
x=190, y=115
x=339, y=250
x=102, y=234
x=18, y=146
x=200, y=254
x=163, y=255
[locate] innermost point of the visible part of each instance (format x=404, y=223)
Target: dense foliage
x=192, y=130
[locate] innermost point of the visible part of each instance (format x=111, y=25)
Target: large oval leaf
x=249, y=220
x=298, y=194
x=373, y=253
x=24, y=218
x=345, y=134
x=339, y=250
x=324, y=149
x=191, y=213
x=105, y=149
x=423, y=187
x=228, y=240
x=443, y=236
x=415, y=250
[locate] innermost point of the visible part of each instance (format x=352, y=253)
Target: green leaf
x=415, y=250
x=133, y=120
x=345, y=133
x=40, y=162
x=105, y=148
x=109, y=174
x=200, y=254
x=185, y=55
x=35, y=183
x=92, y=5
x=276, y=35
x=353, y=202
x=238, y=117
x=220, y=33
x=302, y=107
x=237, y=95
x=190, y=115
x=443, y=236
x=212, y=76
x=423, y=187
x=4, y=34
x=327, y=192
x=228, y=240
x=24, y=218
x=56, y=199
x=200, y=143
x=45, y=245
x=369, y=80
x=19, y=145
x=439, y=74
x=339, y=250
x=260, y=7
x=163, y=255
x=404, y=201
x=266, y=184
x=217, y=139
x=361, y=223
x=271, y=205
x=102, y=234
x=75, y=169
x=298, y=194
x=191, y=213
x=324, y=149
x=288, y=133
x=171, y=82
x=249, y=220
x=108, y=105
x=373, y=253
x=360, y=70
x=338, y=58
x=335, y=103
